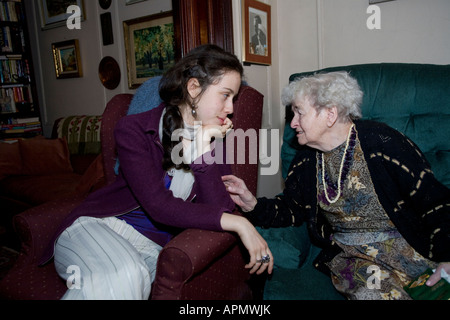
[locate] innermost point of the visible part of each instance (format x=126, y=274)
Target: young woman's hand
x=261, y=258
x=226, y=127
x=208, y=132
x=239, y=193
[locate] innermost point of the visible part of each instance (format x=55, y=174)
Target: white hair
x=325, y=90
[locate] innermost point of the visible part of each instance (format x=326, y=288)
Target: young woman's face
x=216, y=103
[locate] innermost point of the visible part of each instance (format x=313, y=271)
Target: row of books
x=10, y=97
x=25, y=125
x=13, y=70
x=11, y=11
x=12, y=39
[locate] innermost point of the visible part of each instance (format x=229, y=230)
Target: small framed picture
x=150, y=47
x=257, y=32
x=66, y=56
x=128, y=2
x=378, y=1
x=54, y=13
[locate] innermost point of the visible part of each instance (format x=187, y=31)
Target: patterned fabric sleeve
x=291, y=207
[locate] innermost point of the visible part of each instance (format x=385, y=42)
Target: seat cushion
x=82, y=133
x=300, y=284
x=47, y=286
x=37, y=189
x=290, y=246
x=45, y=156
x=10, y=159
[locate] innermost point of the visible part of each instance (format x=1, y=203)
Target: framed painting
x=66, y=57
x=257, y=47
x=150, y=47
x=54, y=12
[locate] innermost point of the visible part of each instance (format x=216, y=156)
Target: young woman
x=163, y=186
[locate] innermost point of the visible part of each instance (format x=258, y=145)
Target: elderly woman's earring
x=194, y=111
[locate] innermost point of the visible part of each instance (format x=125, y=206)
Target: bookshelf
x=19, y=110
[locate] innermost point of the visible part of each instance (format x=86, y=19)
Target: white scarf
x=182, y=180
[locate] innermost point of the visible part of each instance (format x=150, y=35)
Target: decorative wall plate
x=104, y=4
x=109, y=73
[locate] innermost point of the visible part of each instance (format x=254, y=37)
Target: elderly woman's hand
x=437, y=275
x=239, y=193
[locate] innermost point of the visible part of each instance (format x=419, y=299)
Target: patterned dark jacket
x=417, y=204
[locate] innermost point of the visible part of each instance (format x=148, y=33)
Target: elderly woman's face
x=308, y=123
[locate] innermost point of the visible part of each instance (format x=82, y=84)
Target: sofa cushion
x=93, y=177
x=45, y=156
x=81, y=132
x=10, y=159
x=48, y=286
x=38, y=189
x=289, y=246
x=81, y=162
x=305, y=283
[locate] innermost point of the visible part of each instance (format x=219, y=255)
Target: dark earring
x=194, y=112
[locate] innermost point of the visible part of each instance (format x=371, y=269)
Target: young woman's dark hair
x=207, y=64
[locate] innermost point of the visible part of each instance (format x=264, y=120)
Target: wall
x=85, y=95
x=411, y=31
x=313, y=34
x=306, y=35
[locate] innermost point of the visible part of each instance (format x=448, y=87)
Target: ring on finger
x=264, y=259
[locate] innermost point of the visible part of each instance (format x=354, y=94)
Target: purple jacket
x=140, y=183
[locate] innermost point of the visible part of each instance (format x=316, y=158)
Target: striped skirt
x=105, y=259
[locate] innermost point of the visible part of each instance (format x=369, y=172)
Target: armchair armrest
x=36, y=226
x=203, y=265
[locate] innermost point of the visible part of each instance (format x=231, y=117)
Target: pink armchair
x=195, y=265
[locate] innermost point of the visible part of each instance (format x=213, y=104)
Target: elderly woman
x=366, y=191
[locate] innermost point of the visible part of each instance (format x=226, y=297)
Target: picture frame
x=128, y=2
x=257, y=37
x=107, y=29
x=150, y=47
x=67, y=60
x=54, y=12
x=378, y=1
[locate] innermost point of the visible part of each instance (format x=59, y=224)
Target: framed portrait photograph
x=257, y=47
x=128, y=2
x=150, y=47
x=54, y=12
x=378, y=1
x=66, y=56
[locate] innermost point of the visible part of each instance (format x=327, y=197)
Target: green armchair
x=412, y=98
